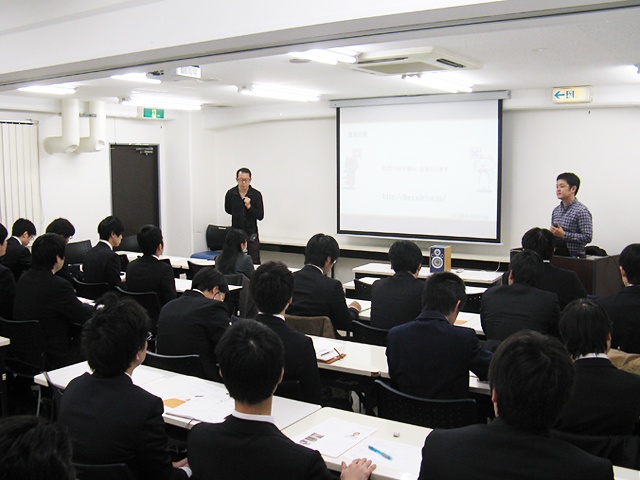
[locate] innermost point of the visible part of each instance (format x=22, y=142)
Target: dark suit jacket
x=40, y=295
x=507, y=309
x=7, y=292
x=395, y=300
x=111, y=420
x=605, y=401
x=431, y=358
x=17, y=258
x=624, y=312
x=299, y=357
x=102, y=265
x=148, y=274
x=499, y=451
x=315, y=294
x=240, y=449
x=192, y=324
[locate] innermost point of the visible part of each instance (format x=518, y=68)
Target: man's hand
x=355, y=305
x=247, y=202
x=359, y=469
x=557, y=231
x=181, y=463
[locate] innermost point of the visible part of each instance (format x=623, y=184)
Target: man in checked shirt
x=571, y=221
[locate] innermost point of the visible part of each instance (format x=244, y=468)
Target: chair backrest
x=194, y=267
x=116, y=471
x=92, y=291
x=362, y=333
x=26, y=353
x=148, y=300
x=398, y=406
x=241, y=300
x=184, y=364
x=215, y=236
x=124, y=261
x=622, y=450
x=129, y=244
x=75, y=252
x=318, y=326
x=362, y=290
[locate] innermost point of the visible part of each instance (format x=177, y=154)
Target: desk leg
x=4, y=397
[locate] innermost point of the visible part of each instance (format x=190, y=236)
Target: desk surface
x=471, y=290
x=176, y=262
x=188, y=400
x=4, y=341
x=472, y=276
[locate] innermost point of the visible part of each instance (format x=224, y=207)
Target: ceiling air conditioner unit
x=176, y=74
x=417, y=60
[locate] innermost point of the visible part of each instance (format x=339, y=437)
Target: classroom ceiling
x=598, y=49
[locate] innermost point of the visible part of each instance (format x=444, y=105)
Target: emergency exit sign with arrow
x=572, y=94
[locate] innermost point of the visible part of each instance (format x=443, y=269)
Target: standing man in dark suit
x=65, y=228
x=605, y=400
x=244, y=204
x=194, y=322
x=148, y=273
x=531, y=379
x=7, y=281
x=507, y=309
x=396, y=300
x=17, y=257
x=624, y=307
x=111, y=420
x=429, y=357
x=102, y=264
x=247, y=445
x=271, y=288
x=41, y=295
x=315, y=294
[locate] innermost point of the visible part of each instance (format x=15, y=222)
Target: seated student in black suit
x=315, y=294
x=65, y=228
x=507, y=309
x=35, y=449
x=40, y=295
x=233, y=258
x=102, y=264
x=531, y=378
x=247, y=445
x=148, y=273
x=605, y=400
x=271, y=289
x=429, y=357
x=194, y=322
x=396, y=300
x=7, y=281
x=17, y=257
x=111, y=420
x=623, y=308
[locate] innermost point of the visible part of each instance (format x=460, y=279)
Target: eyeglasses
x=243, y=180
x=149, y=336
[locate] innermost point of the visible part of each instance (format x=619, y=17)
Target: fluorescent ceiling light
x=278, y=93
x=331, y=57
x=162, y=102
x=136, y=77
x=52, y=89
x=439, y=83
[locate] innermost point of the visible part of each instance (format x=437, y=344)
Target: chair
x=622, y=450
x=26, y=355
x=361, y=333
x=75, y=252
x=241, y=301
x=362, y=290
x=116, y=471
x=148, y=300
x=317, y=326
x=184, y=364
x=195, y=267
x=92, y=291
x=129, y=244
x=216, y=236
x=398, y=406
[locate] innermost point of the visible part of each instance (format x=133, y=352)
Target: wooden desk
x=481, y=277
x=4, y=397
x=203, y=400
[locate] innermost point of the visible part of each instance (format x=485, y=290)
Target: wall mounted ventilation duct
x=70, y=138
x=97, y=138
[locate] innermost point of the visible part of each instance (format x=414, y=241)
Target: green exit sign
x=152, y=113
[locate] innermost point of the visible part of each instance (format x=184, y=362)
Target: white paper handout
x=334, y=437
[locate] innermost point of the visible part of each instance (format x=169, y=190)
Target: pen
x=339, y=354
x=380, y=452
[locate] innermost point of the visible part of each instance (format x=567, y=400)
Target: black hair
x=63, y=227
x=114, y=335
x=22, y=225
x=630, y=262
x=232, y=248
x=532, y=376
x=46, y=250
x=207, y=278
x=571, y=179
x=108, y=226
x=149, y=238
x=3, y=233
x=243, y=170
x=405, y=256
x=251, y=359
x=541, y=241
x=272, y=287
x=32, y=448
x=442, y=291
x=585, y=328
x=319, y=247
x=526, y=266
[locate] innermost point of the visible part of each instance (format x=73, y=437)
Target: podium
x=599, y=275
